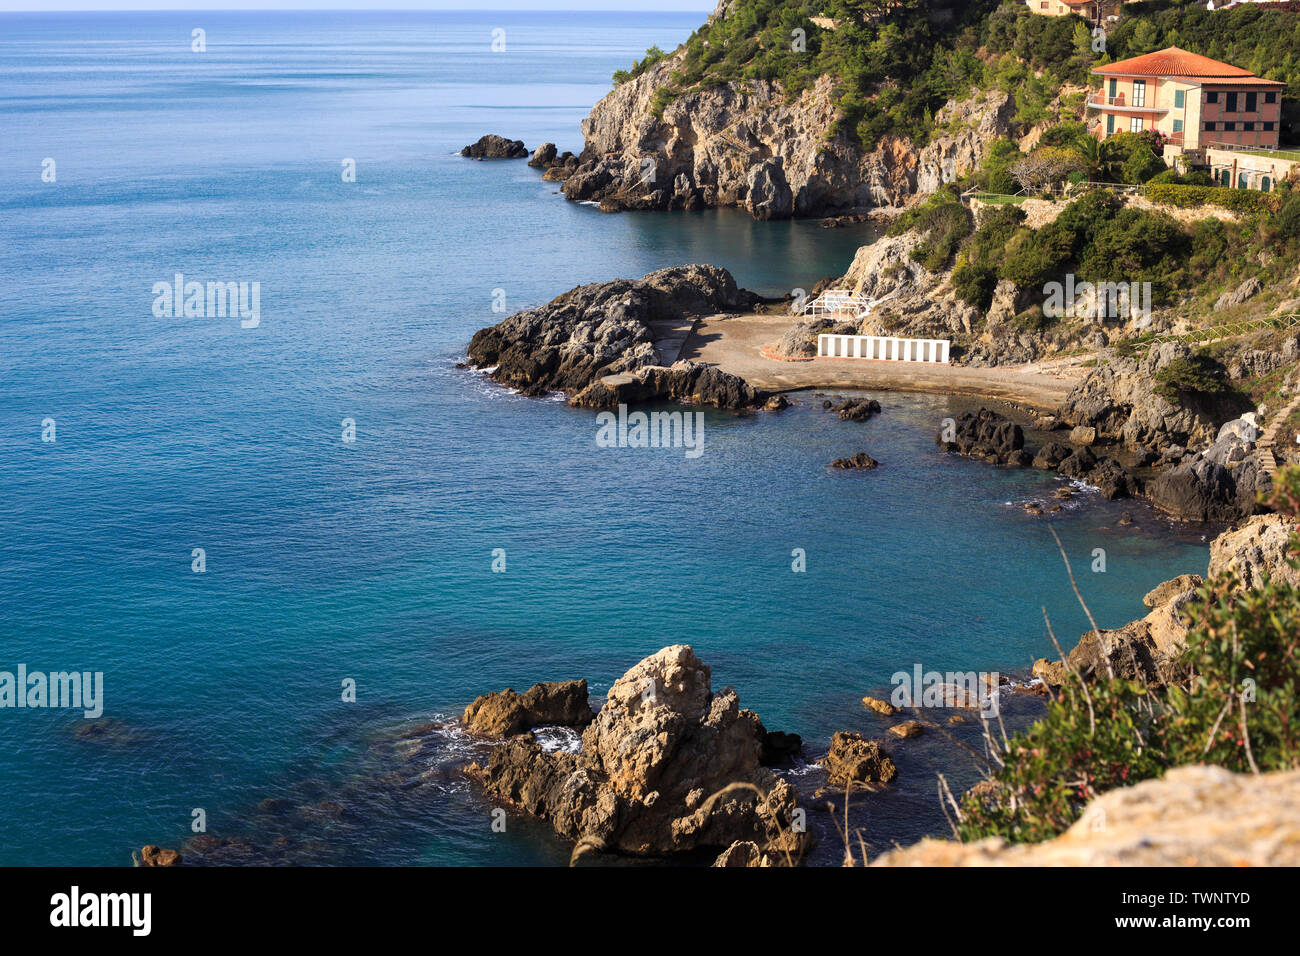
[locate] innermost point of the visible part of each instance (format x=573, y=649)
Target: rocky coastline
x=747, y=145
x=1220, y=484
x=614, y=342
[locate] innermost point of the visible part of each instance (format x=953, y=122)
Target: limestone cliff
x=748, y=144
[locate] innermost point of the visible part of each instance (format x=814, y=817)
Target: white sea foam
x=558, y=739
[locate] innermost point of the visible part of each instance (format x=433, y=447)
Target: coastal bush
x=975, y=283
x=975, y=277
x=1198, y=375
x=1095, y=237
x=1288, y=218
x=652, y=56
x=943, y=220
x=995, y=175
x=1225, y=197
x=1237, y=705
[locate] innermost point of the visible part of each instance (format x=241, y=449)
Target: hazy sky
x=30, y=5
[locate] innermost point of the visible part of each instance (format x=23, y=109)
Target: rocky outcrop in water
x=492, y=146
x=854, y=760
x=983, y=434
x=666, y=766
x=152, y=855
x=608, y=328
x=504, y=713
x=860, y=461
x=1197, y=816
x=856, y=409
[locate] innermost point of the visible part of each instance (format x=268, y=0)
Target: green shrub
x=652, y=56
x=1288, y=217
x=995, y=176
x=944, y=222
x=1189, y=197
x=975, y=284
x=1198, y=375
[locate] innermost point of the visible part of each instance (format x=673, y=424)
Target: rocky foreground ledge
x=616, y=341
x=1193, y=816
x=666, y=766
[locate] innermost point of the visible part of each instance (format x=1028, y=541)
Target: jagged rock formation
x=856, y=761
x=743, y=853
x=985, y=435
x=652, y=765
x=1194, y=816
x=1222, y=483
x=608, y=328
x=1118, y=400
x=152, y=855
x=747, y=144
x=1260, y=548
x=1149, y=648
x=492, y=146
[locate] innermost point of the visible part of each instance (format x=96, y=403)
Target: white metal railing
x=883, y=348
x=834, y=301
x=837, y=301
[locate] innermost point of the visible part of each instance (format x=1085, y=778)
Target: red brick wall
x=1218, y=114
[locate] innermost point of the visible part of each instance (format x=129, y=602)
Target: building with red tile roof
x=1194, y=102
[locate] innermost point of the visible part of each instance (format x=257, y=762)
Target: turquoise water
x=371, y=560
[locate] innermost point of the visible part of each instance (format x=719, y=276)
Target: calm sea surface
x=370, y=561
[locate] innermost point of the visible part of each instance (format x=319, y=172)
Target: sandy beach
x=734, y=344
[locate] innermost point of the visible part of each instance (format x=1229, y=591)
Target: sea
x=288, y=538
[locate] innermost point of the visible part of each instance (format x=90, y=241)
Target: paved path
x=734, y=345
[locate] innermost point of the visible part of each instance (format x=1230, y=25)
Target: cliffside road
x=734, y=344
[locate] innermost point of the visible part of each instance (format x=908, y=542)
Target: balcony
x=1101, y=101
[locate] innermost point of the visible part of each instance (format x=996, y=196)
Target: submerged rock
x=859, y=461
x=908, y=729
x=880, y=706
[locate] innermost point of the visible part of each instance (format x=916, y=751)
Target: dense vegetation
x=1095, y=238
x=894, y=65
x=1238, y=706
